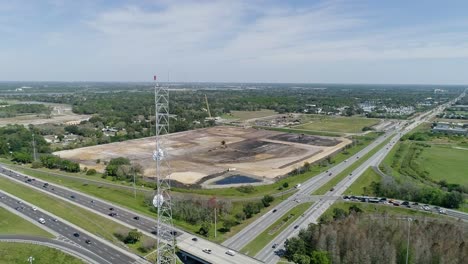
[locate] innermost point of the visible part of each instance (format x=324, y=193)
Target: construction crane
x=208, y=108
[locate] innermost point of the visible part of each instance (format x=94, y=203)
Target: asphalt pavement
x=130, y=219
x=95, y=249
x=270, y=255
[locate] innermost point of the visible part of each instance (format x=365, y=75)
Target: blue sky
x=235, y=41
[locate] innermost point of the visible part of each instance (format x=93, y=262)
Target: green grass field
x=19, y=253
x=336, y=124
x=11, y=224
x=274, y=230
x=83, y=218
x=361, y=185
x=444, y=162
x=245, y=115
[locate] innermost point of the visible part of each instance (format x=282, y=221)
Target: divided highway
x=95, y=250
x=270, y=255
x=247, y=234
x=131, y=219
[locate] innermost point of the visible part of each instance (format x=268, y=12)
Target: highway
x=270, y=255
x=126, y=217
x=97, y=250
x=242, y=238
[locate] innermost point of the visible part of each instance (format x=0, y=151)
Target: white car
x=41, y=220
x=230, y=253
x=34, y=209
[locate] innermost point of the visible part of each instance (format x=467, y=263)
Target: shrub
x=91, y=172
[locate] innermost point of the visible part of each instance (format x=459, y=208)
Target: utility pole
x=407, y=246
x=215, y=220
x=31, y=259
x=34, y=148
x=134, y=185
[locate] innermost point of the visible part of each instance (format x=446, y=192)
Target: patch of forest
x=369, y=239
x=20, y=109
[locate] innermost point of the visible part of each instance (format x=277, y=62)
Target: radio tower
x=162, y=199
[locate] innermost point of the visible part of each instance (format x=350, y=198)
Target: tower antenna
x=162, y=200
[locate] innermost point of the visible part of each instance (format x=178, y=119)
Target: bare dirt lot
x=61, y=113
x=199, y=153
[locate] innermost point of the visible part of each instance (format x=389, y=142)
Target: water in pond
x=236, y=179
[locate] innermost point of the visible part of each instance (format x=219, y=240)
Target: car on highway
x=275, y=245
x=54, y=219
x=34, y=209
x=87, y=241
x=274, y=210
x=296, y=226
x=72, y=196
x=230, y=253
x=136, y=217
x=195, y=239
x=112, y=214
x=111, y=208
x=332, y=189
x=207, y=250
x=76, y=234
x=41, y=220
x=92, y=201
x=442, y=211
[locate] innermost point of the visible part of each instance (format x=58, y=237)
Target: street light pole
x=407, y=246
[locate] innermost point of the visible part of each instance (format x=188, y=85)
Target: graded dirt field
x=61, y=113
x=196, y=154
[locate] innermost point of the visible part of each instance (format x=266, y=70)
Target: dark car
x=296, y=226
x=275, y=245
x=112, y=208
x=76, y=234
x=87, y=241
x=274, y=210
x=405, y=203
x=136, y=217
x=112, y=214
x=195, y=239
x=154, y=232
x=72, y=196
x=174, y=233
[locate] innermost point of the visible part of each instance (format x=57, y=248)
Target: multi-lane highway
x=95, y=249
x=242, y=238
x=131, y=219
x=270, y=255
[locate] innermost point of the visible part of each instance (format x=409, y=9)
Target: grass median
x=335, y=180
x=362, y=185
x=89, y=221
x=12, y=224
x=274, y=230
x=20, y=252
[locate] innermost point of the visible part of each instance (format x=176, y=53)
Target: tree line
x=353, y=237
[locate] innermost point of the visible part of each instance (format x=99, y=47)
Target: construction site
x=199, y=154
